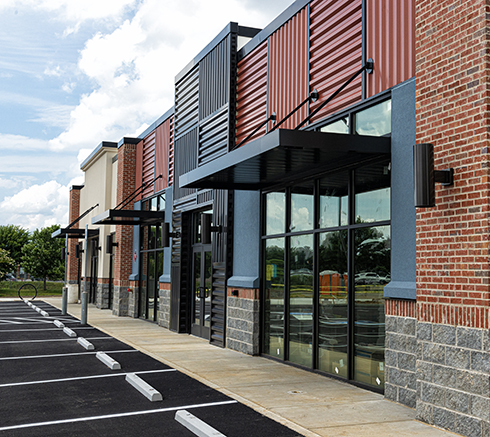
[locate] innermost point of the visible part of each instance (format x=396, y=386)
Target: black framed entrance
x=151, y=262
x=94, y=266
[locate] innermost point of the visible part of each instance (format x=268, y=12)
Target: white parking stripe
x=41, y=329
x=64, y=355
x=10, y=322
x=54, y=339
x=80, y=378
x=114, y=416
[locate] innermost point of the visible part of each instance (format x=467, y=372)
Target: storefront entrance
x=201, y=282
x=94, y=265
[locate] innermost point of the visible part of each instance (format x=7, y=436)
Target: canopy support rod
x=271, y=117
x=313, y=97
x=81, y=217
x=136, y=192
x=368, y=66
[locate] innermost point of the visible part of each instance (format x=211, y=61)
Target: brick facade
x=123, y=253
x=437, y=349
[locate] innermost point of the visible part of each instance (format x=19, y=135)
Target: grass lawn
x=11, y=288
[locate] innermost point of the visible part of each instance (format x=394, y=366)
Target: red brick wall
x=126, y=181
x=452, y=52
x=73, y=213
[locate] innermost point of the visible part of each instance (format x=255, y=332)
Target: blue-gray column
x=403, y=223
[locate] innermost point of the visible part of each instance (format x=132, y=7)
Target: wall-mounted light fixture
x=78, y=251
x=63, y=253
x=166, y=234
x=109, y=244
x=207, y=228
x=425, y=176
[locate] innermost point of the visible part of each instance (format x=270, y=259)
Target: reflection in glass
x=372, y=273
x=143, y=284
x=275, y=213
x=196, y=319
x=301, y=300
x=274, y=298
x=302, y=215
x=151, y=285
x=334, y=201
x=372, y=187
x=374, y=121
x=207, y=284
x=159, y=273
x=332, y=317
x=337, y=127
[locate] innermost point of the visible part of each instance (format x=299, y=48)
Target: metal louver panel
x=214, y=79
x=171, y=153
x=218, y=305
x=390, y=40
x=213, y=137
x=185, y=155
x=288, y=69
x=161, y=155
x=187, y=102
x=335, y=52
x=148, y=173
x=251, y=94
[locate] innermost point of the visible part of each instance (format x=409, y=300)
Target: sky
x=76, y=73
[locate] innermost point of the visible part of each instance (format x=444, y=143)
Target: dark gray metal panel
x=246, y=247
x=136, y=247
x=187, y=102
x=218, y=305
x=283, y=156
x=403, y=217
x=214, y=79
x=185, y=160
x=213, y=136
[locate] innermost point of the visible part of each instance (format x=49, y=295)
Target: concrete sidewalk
x=308, y=403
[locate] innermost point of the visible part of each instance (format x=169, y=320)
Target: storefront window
x=275, y=215
x=375, y=120
x=332, y=312
x=338, y=127
x=301, y=300
x=302, y=214
x=274, y=298
x=372, y=273
x=372, y=187
x=334, y=210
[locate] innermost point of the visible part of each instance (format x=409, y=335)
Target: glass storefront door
x=201, y=302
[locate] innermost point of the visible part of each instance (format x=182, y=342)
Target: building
x=271, y=210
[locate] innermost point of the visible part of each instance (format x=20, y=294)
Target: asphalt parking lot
x=51, y=385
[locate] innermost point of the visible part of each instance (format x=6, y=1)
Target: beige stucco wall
x=99, y=187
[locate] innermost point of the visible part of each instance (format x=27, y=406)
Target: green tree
x=7, y=264
x=12, y=239
x=41, y=256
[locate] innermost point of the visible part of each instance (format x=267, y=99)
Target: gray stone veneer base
x=164, y=309
x=120, y=304
x=441, y=370
x=242, y=325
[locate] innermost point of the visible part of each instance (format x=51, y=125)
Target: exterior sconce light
x=207, y=228
x=63, y=253
x=166, y=234
x=109, y=244
x=425, y=176
x=78, y=251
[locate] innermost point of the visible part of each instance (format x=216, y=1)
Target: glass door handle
x=202, y=292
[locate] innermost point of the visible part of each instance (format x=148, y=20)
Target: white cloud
x=37, y=206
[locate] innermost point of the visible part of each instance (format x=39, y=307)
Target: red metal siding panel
x=288, y=69
x=148, y=168
x=390, y=42
x=171, y=152
x=251, y=93
x=139, y=167
x=335, y=52
x=161, y=155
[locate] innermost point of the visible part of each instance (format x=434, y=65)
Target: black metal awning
x=284, y=156
x=128, y=217
x=74, y=233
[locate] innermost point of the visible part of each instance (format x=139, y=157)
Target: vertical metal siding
x=252, y=93
x=139, y=167
x=148, y=172
x=390, y=41
x=161, y=155
x=187, y=102
x=288, y=69
x=171, y=153
x=214, y=79
x=185, y=154
x=335, y=52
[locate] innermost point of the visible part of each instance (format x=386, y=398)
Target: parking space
x=51, y=385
